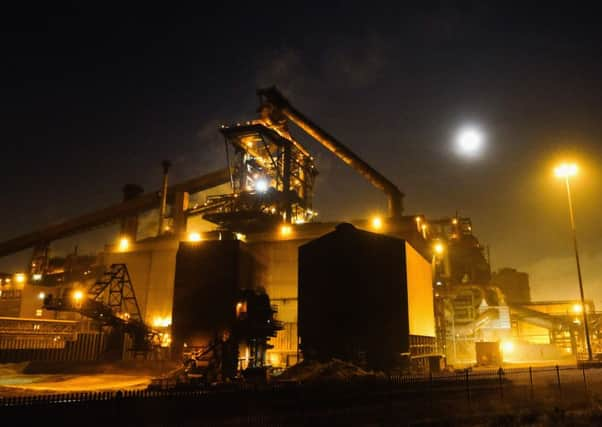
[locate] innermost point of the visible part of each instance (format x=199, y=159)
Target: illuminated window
x=376, y=223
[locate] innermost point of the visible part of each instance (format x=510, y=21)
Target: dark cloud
x=355, y=63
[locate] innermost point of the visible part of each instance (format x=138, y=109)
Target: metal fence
x=87, y=347
x=388, y=399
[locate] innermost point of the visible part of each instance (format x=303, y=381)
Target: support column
x=286, y=182
x=39, y=259
x=129, y=224
x=179, y=209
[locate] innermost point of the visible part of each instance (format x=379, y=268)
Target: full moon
x=469, y=142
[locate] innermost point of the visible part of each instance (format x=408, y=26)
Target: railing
x=392, y=399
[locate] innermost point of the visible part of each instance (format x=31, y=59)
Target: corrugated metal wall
x=286, y=339
x=87, y=347
x=10, y=302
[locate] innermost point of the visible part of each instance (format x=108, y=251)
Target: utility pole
x=574, y=231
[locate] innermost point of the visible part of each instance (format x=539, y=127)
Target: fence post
x=558, y=378
x=531, y=381
x=389, y=413
x=431, y=387
x=500, y=374
x=584, y=381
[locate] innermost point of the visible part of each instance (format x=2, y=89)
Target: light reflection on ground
x=38, y=384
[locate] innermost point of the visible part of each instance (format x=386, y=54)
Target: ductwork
x=281, y=106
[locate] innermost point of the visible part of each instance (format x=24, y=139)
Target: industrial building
x=488, y=318
x=253, y=227
x=262, y=202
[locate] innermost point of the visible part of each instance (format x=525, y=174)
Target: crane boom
x=277, y=103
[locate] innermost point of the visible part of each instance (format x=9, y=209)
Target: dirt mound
x=333, y=370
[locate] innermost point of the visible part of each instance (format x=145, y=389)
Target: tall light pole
x=438, y=250
x=565, y=171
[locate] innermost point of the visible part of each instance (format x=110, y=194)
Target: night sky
x=95, y=96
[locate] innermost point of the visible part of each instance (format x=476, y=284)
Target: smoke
x=355, y=65
x=347, y=65
x=556, y=278
x=343, y=63
x=285, y=68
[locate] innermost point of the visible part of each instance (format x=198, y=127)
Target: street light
x=77, y=297
x=438, y=251
x=286, y=230
x=376, y=222
x=194, y=236
x=124, y=244
x=565, y=171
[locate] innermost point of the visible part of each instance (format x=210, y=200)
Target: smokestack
x=166, y=165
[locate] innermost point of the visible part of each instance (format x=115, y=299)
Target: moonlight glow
x=469, y=142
